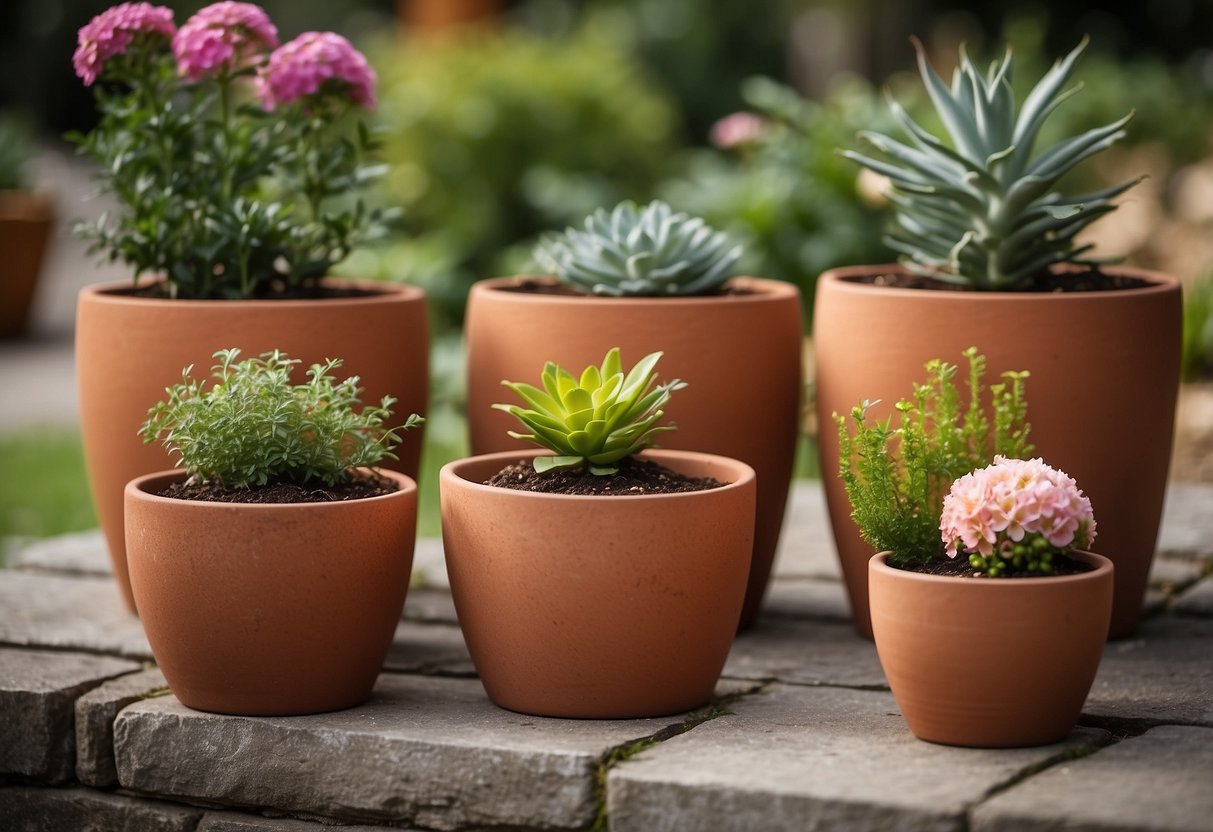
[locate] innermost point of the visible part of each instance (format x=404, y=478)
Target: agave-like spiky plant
x=595, y=420
x=640, y=251
x=981, y=211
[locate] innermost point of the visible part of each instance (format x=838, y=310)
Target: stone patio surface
x=803, y=734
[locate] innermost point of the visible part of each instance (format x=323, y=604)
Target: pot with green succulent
x=989, y=256
x=238, y=166
x=647, y=279
x=270, y=573
x=601, y=580
x=26, y=217
x=988, y=615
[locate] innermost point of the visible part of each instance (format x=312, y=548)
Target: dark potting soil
x=959, y=567
x=635, y=477
x=537, y=286
x=275, y=290
x=359, y=487
x=1090, y=280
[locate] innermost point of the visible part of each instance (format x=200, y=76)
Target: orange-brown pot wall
x=25, y=227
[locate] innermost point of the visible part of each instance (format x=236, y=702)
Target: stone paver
x=82, y=553
x=429, y=648
x=1198, y=600
x=232, y=822
x=38, y=693
x=807, y=598
x=24, y=809
x=1174, y=572
x=1161, y=780
x=81, y=613
x=799, y=758
x=95, y=715
x=805, y=653
x=430, y=606
x=806, y=549
x=1187, y=521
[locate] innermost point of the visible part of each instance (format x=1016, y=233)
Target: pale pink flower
x=736, y=130
x=110, y=33
x=311, y=61
x=222, y=37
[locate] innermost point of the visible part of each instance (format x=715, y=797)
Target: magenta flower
x=109, y=34
x=311, y=61
x=737, y=130
x=221, y=37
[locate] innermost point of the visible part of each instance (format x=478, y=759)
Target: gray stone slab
x=1172, y=573
x=1157, y=782
x=1187, y=520
x=234, y=822
x=1163, y=673
x=79, y=553
x=429, y=751
x=429, y=648
x=38, y=692
x=806, y=547
x=26, y=809
x=95, y=714
x=429, y=564
x=797, y=758
x=430, y=606
x=806, y=598
x=1198, y=600
x=806, y=653
x=68, y=613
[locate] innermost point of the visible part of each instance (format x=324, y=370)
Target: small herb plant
x=632, y=251
x=896, y=476
x=252, y=426
x=595, y=420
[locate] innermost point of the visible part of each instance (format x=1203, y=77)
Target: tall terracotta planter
x=739, y=354
x=1101, y=397
x=129, y=349
x=599, y=607
x=25, y=227
x=990, y=662
x=265, y=609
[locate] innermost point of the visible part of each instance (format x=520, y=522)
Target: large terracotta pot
x=739, y=354
x=25, y=226
x=1101, y=396
x=599, y=607
x=990, y=662
x=129, y=349
x=265, y=609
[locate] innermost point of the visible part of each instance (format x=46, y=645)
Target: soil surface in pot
x=529, y=286
x=634, y=477
x=275, y=290
x=359, y=487
x=1083, y=281
x=959, y=567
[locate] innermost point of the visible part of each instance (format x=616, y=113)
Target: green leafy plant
x=15, y=152
x=646, y=251
x=595, y=420
x=981, y=211
x=1198, y=330
x=896, y=476
x=253, y=426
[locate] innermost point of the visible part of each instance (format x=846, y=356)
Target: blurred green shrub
x=16, y=150
x=1198, y=330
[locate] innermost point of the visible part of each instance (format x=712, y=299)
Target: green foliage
x=634, y=251
x=595, y=420
x=1198, y=330
x=253, y=426
x=981, y=210
x=16, y=149
x=43, y=484
x=897, y=476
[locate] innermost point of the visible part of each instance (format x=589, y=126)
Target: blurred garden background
x=501, y=120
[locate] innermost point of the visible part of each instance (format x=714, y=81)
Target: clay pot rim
x=113, y=292
x=877, y=564
x=139, y=489
x=26, y=205
x=838, y=278
x=761, y=290
x=452, y=472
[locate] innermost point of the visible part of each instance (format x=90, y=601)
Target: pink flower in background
x=222, y=36
x=736, y=130
x=109, y=34
x=302, y=67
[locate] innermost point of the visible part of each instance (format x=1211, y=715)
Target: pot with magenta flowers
x=988, y=612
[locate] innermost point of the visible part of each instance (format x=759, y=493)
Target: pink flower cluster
x=1010, y=499
x=737, y=130
x=108, y=35
x=222, y=37
x=309, y=62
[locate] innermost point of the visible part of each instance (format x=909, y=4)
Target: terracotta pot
x=269, y=609
x=25, y=226
x=129, y=349
x=1101, y=397
x=739, y=354
x=598, y=607
x=990, y=662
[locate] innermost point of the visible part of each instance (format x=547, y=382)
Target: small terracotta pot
x=25, y=227
x=1101, y=397
x=990, y=662
x=129, y=349
x=269, y=610
x=739, y=354
x=598, y=607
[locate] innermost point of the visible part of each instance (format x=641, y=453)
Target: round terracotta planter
x=129, y=349
x=1101, y=397
x=990, y=662
x=269, y=609
x=25, y=227
x=598, y=607
x=739, y=354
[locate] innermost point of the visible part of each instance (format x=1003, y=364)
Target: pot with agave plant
x=989, y=255
x=238, y=169
x=989, y=617
x=602, y=580
x=649, y=279
x=26, y=217
x=270, y=573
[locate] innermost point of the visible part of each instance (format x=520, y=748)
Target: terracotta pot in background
x=129, y=349
x=1101, y=396
x=25, y=226
x=990, y=662
x=598, y=607
x=739, y=354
